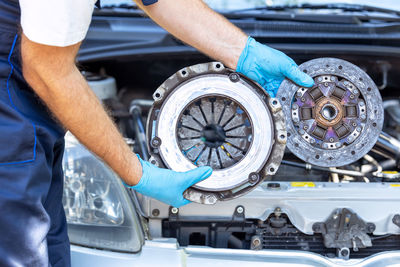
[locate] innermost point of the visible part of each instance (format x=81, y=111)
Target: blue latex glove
x=167, y=185
x=269, y=67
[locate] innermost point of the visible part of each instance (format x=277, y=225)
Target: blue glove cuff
x=141, y=182
x=243, y=55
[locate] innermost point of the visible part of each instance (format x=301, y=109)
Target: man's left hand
x=269, y=67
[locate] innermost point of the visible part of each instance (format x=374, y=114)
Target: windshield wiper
x=122, y=10
x=350, y=13
x=341, y=6
x=122, y=6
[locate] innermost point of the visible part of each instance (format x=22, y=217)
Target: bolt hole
x=184, y=72
x=218, y=66
x=330, y=158
x=351, y=86
x=294, y=113
x=361, y=79
x=305, y=71
x=271, y=169
x=283, y=98
x=362, y=110
x=317, y=156
x=353, y=152
x=157, y=95
x=289, y=134
x=326, y=78
x=282, y=136
x=340, y=67
x=374, y=124
x=274, y=102
x=327, y=66
x=296, y=145
x=306, y=136
x=369, y=89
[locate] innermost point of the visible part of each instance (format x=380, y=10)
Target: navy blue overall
x=33, y=230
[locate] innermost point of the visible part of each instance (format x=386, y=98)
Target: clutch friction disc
x=338, y=120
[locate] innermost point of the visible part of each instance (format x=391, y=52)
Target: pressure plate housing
x=338, y=120
x=209, y=115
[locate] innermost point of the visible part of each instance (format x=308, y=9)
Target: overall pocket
x=17, y=133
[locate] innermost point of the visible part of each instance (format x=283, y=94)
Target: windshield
x=241, y=4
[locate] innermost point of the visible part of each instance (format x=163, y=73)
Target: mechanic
x=43, y=93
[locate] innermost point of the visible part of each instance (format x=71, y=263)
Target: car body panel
x=304, y=203
x=165, y=252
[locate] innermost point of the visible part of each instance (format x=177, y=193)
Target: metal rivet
x=155, y=142
x=253, y=178
x=155, y=212
x=234, y=77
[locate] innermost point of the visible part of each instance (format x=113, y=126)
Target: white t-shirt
x=56, y=22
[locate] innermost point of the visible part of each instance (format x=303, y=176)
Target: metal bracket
x=344, y=229
x=173, y=214
x=238, y=214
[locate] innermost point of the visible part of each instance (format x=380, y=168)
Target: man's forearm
x=54, y=77
x=195, y=23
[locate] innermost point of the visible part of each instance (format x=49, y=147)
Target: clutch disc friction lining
x=338, y=120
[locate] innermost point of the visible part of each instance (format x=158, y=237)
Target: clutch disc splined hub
x=209, y=115
x=338, y=120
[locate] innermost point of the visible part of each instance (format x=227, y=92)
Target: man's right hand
x=167, y=185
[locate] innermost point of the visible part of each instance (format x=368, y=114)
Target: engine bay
x=334, y=190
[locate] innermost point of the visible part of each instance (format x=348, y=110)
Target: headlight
x=98, y=208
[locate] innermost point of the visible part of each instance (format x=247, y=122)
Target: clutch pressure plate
x=208, y=115
x=338, y=120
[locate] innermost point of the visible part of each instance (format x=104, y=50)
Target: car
x=305, y=212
